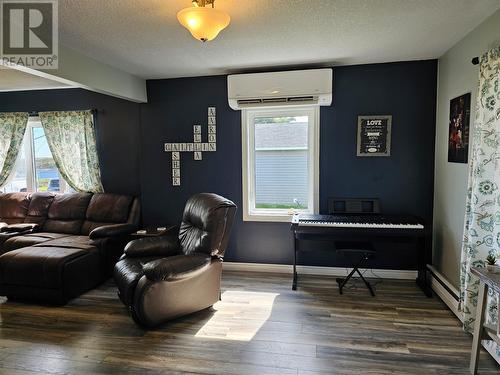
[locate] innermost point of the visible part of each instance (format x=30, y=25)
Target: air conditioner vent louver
x=302, y=99
x=274, y=100
x=249, y=101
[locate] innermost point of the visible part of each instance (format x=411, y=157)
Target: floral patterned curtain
x=482, y=217
x=12, y=128
x=72, y=141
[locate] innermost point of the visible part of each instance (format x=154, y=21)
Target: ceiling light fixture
x=204, y=23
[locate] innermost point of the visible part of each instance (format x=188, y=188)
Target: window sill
x=270, y=215
x=268, y=218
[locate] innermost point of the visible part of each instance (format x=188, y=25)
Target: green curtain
x=482, y=218
x=72, y=141
x=12, y=128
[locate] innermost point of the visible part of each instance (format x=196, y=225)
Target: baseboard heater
x=444, y=283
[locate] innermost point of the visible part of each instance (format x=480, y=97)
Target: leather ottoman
x=47, y=274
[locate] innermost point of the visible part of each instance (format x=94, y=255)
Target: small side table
x=153, y=232
x=484, y=331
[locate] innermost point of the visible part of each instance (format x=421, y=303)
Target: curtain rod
x=35, y=113
x=475, y=60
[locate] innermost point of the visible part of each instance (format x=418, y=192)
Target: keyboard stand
x=419, y=237
x=365, y=249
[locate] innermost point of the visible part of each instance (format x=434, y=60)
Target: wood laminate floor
x=260, y=327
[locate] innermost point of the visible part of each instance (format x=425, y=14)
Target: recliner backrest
x=38, y=209
x=206, y=224
x=106, y=209
x=14, y=207
x=67, y=213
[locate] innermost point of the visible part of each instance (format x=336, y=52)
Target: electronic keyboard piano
x=366, y=227
x=372, y=221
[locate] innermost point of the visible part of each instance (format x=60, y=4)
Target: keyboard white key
x=359, y=225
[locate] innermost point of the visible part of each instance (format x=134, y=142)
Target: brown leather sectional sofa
x=56, y=247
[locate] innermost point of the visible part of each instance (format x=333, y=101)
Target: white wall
x=456, y=76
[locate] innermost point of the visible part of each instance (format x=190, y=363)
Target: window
x=280, y=162
x=35, y=169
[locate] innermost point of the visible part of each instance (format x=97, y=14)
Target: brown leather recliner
x=161, y=278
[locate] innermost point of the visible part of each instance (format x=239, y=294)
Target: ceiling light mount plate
x=203, y=3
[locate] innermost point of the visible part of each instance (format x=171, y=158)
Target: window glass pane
x=281, y=162
x=18, y=180
x=46, y=173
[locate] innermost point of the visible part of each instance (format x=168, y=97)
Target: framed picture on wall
x=458, y=131
x=374, y=135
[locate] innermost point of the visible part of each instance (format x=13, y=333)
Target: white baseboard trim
x=316, y=270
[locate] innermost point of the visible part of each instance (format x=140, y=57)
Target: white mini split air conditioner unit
x=296, y=87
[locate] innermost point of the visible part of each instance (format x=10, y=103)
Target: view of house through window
x=280, y=159
x=35, y=168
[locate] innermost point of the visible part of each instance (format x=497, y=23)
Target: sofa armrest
x=163, y=246
x=112, y=231
x=176, y=267
x=21, y=227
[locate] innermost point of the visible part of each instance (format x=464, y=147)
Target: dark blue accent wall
x=131, y=138
x=403, y=181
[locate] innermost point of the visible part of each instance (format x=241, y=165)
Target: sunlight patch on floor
x=239, y=316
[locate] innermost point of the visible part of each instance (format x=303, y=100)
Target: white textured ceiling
x=15, y=80
x=143, y=37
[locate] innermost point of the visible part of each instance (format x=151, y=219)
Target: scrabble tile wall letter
x=197, y=146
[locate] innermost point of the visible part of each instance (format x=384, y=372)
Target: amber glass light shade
x=203, y=23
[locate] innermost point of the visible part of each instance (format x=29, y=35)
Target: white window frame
x=250, y=213
x=34, y=122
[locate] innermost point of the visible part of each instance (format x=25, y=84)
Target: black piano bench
x=363, y=251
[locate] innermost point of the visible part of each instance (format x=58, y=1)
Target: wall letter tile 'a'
x=197, y=147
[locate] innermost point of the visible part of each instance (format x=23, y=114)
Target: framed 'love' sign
x=374, y=135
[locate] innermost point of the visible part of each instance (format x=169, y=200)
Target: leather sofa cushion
x=39, y=208
x=69, y=206
x=109, y=208
x=26, y=240
x=13, y=207
x=63, y=226
x=41, y=267
x=4, y=236
x=127, y=273
x=77, y=242
x=67, y=212
x=106, y=209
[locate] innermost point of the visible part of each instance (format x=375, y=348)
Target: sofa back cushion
x=67, y=213
x=106, y=209
x=38, y=209
x=14, y=207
